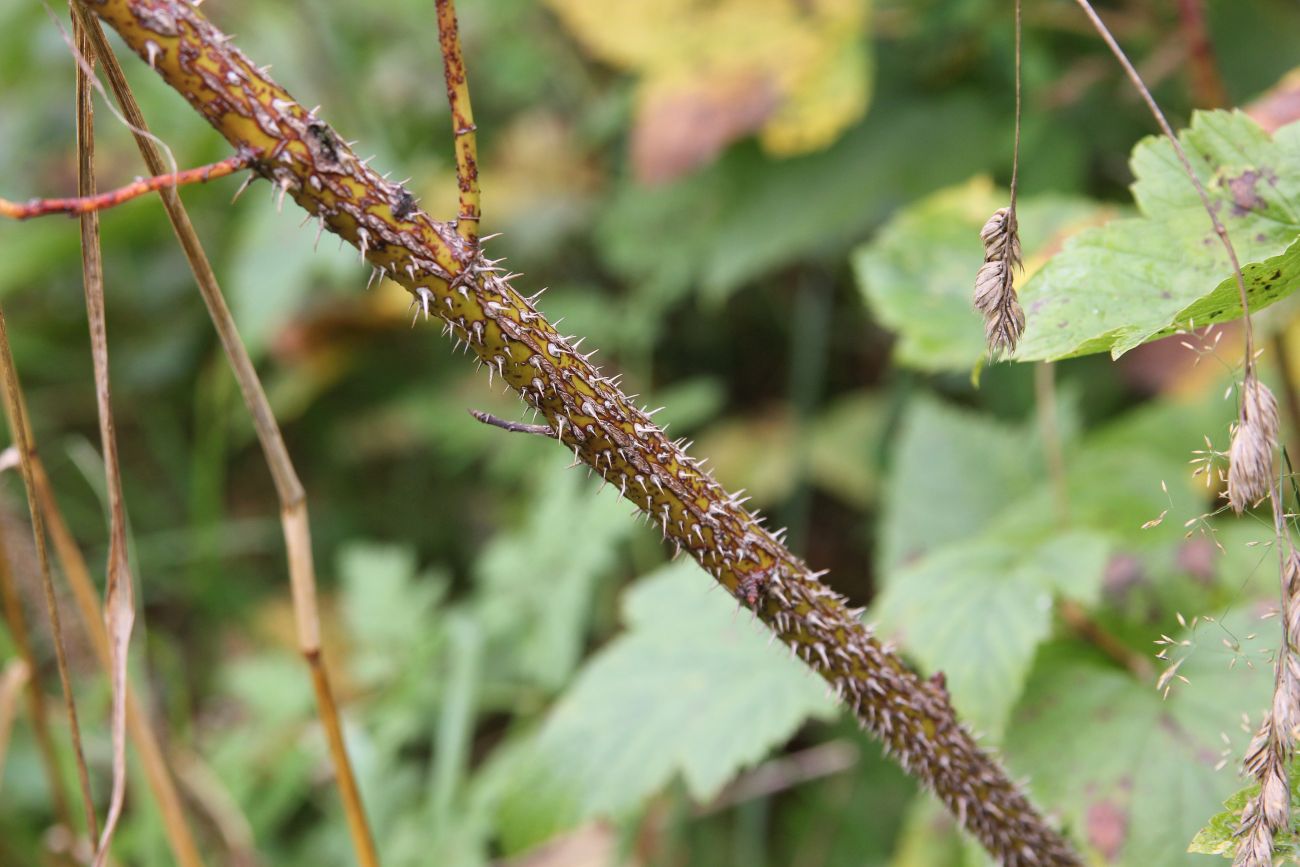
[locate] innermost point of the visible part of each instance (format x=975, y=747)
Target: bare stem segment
x=293, y=500
x=462, y=121
x=1159, y=115
x=86, y=204
x=17, y=418
x=147, y=747
x=589, y=414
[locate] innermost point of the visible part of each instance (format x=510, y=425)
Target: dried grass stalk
x=1269, y=756
x=1254, y=441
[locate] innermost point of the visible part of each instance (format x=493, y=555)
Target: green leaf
x=1120, y=285
x=952, y=473
x=536, y=584
x=1129, y=768
x=977, y=611
x=918, y=274
x=692, y=688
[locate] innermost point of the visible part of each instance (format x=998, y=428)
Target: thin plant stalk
x=292, y=497
x=15, y=676
x=17, y=419
x=1159, y=116
x=37, y=711
x=119, y=595
x=148, y=749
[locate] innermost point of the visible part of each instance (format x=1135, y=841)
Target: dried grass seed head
x=1258, y=405
x=1250, y=465
x=995, y=292
x=1255, y=848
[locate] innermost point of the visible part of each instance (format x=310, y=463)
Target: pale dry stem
x=148, y=749
x=17, y=418
x=119, y=602
x=37, y=711
x=293, y=507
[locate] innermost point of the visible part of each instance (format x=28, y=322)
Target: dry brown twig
x=119, y=595
x=13, y=678
x=17, y=418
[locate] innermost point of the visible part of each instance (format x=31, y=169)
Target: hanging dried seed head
x=1250, y=457
x=1260, y=406
x=1250, y=467
x=995, y=292
x=1255, y=847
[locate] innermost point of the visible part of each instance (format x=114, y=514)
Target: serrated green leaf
x=918, y=274
x=1117, y=286
x=1130, y=769
x=692, y=688
x=952, y=473
x=977, y=611
x=535, y=584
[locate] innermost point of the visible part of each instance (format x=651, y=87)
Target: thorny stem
x=86, y=204
x=1159, y=115
x=462, y=122
x=450, y=279
x=293, y=502
x=22, y=440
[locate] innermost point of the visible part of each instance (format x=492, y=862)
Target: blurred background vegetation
x=723, y=197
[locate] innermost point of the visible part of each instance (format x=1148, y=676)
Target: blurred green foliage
x=515, y=658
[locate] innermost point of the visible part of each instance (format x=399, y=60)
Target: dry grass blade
x=119, y=601
x=15, y=676
x=293, y=503
x=17, y=418
x=147, y=747
x=37, y=711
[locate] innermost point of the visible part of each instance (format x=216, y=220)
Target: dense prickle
x=452, y=280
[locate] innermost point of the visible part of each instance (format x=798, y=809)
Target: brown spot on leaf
x=1245, y=195
x=1107, y=828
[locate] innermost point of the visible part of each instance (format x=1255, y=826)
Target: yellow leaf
x=797, y=72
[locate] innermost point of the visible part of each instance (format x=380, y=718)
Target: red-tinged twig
x=462, y=122
x=89, y=204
